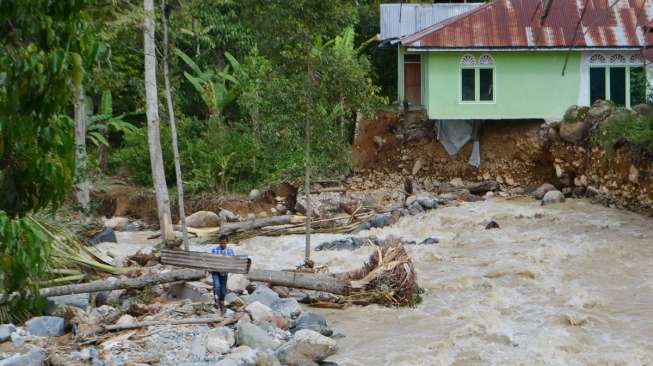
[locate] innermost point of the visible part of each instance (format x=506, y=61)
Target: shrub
x=624, y=126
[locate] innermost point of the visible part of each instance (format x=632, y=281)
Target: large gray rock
x=542, y=190
x=220, y=340
x=312, y=321
x=267, y=358
x=598, y=112
x=575, y=132
x=255, y=337
x=552, y=197
x=77, y=300
x=260, y=313
x=107, y=235
x=228, y=216
x=46, y=326
x=5, y=331
x=428, y=203
x=203, y=219
x=34, y=357
x=264, y=295
x=254, y=194
x=289, y=308
x=306, y=347
x=237, y=283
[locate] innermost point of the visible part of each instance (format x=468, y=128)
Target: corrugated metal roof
x=519, y=23
x=398, y=20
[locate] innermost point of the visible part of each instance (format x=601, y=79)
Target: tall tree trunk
x=81, y=169
x=153, y=132
x=173, y=127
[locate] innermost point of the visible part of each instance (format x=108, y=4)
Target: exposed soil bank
x=517, y=154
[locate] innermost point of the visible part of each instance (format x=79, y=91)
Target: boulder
x=644, y=110
x=428, y=203
x=305, y=348
x=267, y=358
x=232, y=300
x=255, y=337
x=410, y=200
x=86, y=354
x=492, y=225
x=415, y=208
x=45, y=326
x=287, y=307
x=575, y=132
x=107, y=235
x=5, y=331
x=350, y=243
x=312, y=321
x=220, y=340
x=429, y=241
x=598, y=112
x=237, y=283
x=126, y=320
x=34, y=357
x=201, y=219
x=542, y=190
x=254, y=194
x=228, y=216
x=259, y=312
x=117, y=223
x=80, y=301
x=553, y=197
x=264, y=295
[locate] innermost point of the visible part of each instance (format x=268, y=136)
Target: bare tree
x=153, y=132
x=173, y=127
x=81, y=170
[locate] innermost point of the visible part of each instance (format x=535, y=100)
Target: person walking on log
x=220, y=278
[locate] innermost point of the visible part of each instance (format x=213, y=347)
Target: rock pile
x=260, y=328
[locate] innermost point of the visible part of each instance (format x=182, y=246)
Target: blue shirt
x=226, y=252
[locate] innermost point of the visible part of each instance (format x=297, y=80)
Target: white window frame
x=607, y=62
x=465, y=62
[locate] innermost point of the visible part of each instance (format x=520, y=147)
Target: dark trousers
x=219, y=286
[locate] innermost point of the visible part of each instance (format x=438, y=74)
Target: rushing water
x=567, y=284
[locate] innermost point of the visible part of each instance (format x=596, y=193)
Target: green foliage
x=624, y=126
x=23, y=258
x=41, y=65
x=99, y=124
x=217, y=89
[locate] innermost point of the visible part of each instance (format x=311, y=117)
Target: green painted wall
x=526, y=85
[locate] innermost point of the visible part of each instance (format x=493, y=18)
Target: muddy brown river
x=566, y=284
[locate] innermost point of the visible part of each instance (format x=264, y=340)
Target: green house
x=523, y=59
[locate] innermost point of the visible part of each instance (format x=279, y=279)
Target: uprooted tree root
x=388, y=278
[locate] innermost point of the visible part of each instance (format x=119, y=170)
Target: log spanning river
x=567, y=284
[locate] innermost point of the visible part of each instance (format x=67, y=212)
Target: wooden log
x=208, y=320
x=138, y=282
x=309, y=281
x=229, y=228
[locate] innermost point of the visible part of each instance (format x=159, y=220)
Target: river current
x=566, y=284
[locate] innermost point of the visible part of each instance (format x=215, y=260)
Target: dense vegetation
x=245, y=77
x=248, y=80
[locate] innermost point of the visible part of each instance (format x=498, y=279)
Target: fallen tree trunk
x=209, y=320
x=138, y=282
x=308, y=281
x=229, y=228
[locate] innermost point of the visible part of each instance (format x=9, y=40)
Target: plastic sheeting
x=454, y=134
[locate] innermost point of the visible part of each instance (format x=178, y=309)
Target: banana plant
x=100, y=124
x=217, y=89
